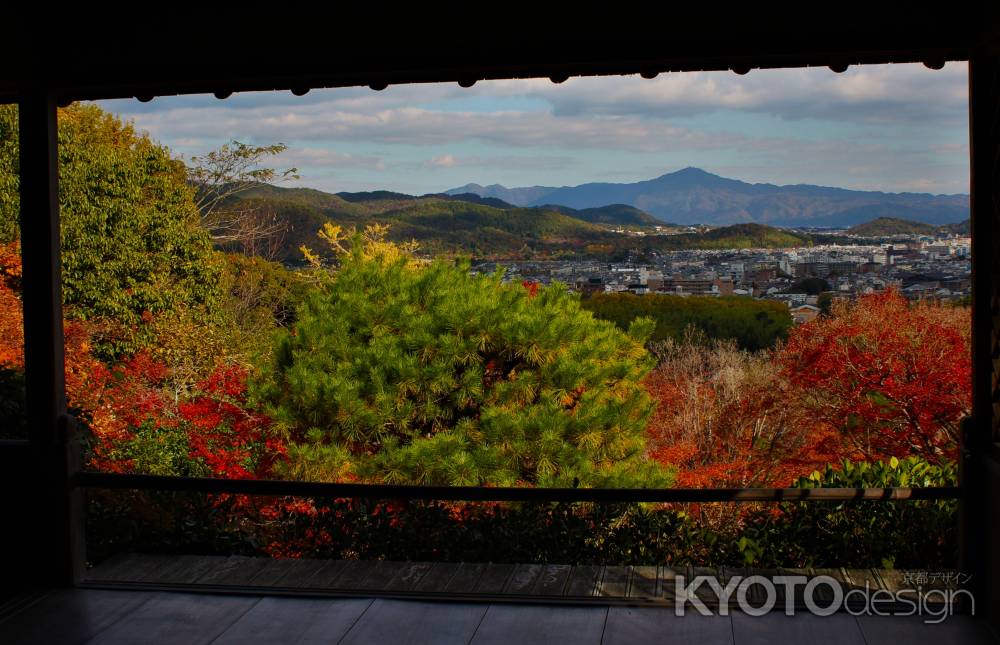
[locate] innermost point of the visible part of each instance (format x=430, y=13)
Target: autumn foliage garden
x=382, y=367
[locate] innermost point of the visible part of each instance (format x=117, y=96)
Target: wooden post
x=57, y=520
x=980, y=469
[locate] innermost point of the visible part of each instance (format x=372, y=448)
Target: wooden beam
x=497, y=494
x=58, y=521
x=979, y=522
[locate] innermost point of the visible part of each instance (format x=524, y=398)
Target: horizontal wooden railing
x=500, y=494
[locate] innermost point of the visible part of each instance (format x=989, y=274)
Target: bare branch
x=220, y=176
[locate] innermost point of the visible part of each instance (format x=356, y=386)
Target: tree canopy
x=422, y=373
x=753, y=324
x=894, y=377
x=131, y=243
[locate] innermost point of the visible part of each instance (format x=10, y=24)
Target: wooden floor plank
x=184, y=619
x=614, y=584
x=466, y=578
x=865, y=580
x=668, y=578
x=408, y=576
x=380, y=574
x=131, y=567
x=325, y=577
x=859, y=578
x=638, y=625
x=824, y=594
x=435, y=580
x=298, y=621
x=187, y=569
x=552, y=580
x=414, y=623
x=162, y=567
x=644, y=583
x=523, y=578
x=728, y=573
x=541, y=625
x=102, y=616
x=272, y=571
x=912, y=630
x=110, y=568
x=352, y=574
x=69, y=616
x=299, y=571
x=235, y=570
x=494, y=578
x=757, y=593
x=583, y=580
x=704, y=592
x=776, y=627
x=798, y=592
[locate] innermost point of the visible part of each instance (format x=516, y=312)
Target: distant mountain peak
x=693, y=195
x=691, y=171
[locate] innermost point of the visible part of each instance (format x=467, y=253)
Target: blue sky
x=886, y=127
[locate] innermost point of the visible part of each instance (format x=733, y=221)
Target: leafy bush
x=729, y=418
x=871, y=533
x=911, y=534
x=420, y=372
x=137, y=425
x=131, y=244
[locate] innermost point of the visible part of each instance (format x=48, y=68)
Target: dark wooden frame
x=47, y=463
x=499, y=494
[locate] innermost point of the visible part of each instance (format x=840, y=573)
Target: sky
x=892, y=128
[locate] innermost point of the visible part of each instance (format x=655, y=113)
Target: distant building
x=697, y=286
x=804, y=313
x=763, y=274
x=725, y=286
x=589, y=286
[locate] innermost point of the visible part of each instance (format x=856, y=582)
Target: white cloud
x=324, y=158
x=863, y=94
x=517, y=126
x=443, y=161
x=613, y=112
x=419, y=126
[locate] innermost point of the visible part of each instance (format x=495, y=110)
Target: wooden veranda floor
x=188, y=599
x=155, y=618
x=474, y=581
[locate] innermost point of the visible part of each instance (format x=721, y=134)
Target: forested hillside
x=482, y=229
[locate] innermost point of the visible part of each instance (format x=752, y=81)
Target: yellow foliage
x=371, y=243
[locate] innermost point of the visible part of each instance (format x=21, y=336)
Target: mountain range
x=487, y=227
x=694, y=196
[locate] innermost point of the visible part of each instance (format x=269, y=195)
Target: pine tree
x=406, y=372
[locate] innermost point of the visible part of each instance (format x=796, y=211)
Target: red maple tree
x=893, y=377
x=224, y=432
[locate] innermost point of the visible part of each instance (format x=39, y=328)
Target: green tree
x=753, y=324
x=409, y=372
x=219, y=177
x=131, y=243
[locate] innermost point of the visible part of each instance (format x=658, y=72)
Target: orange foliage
x=894, y=378
x=11, y=329
x=879, y=378
x=224, y=434
x=724, y=418
x=85, y=375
